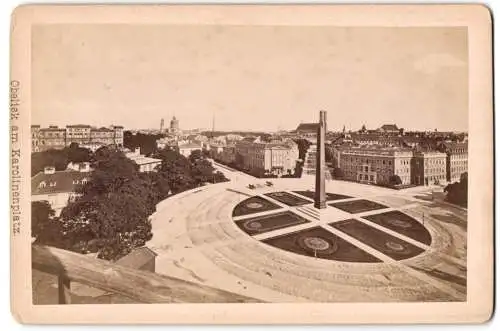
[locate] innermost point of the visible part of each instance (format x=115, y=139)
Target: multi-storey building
x=118, y=135
x=374, y=165
x=428, y=168
x=456, y=160
x=228, y=154
x=264, y=158
x=51, y=138
x=79, y=133
x=84, y=135
x=35, y=132
x=101, y=136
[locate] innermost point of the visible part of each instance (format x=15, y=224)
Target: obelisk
x=319, y=194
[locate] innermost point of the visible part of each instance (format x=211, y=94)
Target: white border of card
x=479, y=304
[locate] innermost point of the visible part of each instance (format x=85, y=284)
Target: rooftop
x=311, y=127
x=102, y=129
x=141, y=160
x=58, y=182
x=189, y=145
x=86, y=126
x=137, y=258
x=389, y=127
x=374, y=150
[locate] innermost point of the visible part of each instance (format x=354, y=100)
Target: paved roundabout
x=369, y=245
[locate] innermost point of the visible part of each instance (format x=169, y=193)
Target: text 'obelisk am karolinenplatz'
x=319, y=194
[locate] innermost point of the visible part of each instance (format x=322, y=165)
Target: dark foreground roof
x=58, y=182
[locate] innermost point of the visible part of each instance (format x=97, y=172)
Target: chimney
x=49, y=170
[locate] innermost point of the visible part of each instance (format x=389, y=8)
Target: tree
x=303, y=145
x=202, y=171
x=111, y=170
x=395, y=180
x=78, y=154
x=147, y=142
x=196, y=155
x=41, y=215
x=457, y=192
x=177, y=170
x=112, y=224
x=57, y=158
x=111, y=215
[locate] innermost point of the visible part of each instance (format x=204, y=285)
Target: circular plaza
x=370, y=244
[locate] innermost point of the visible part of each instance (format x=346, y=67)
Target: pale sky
x=249, y=77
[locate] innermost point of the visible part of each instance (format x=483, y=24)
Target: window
x=53, y=184
x=42, y=185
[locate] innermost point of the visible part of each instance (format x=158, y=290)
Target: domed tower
x=174, y=125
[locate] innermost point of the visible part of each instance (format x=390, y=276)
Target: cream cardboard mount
x=251, y=205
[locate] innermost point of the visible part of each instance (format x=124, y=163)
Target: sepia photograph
x=237, y=163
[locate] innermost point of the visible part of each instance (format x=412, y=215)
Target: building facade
x=186, y=148
x=101, y=136
x=54, y=137
x=35, y=133
x=457, y=158
x=264, y=158
x=145, y=164
x=79, y=133
x=374, y=165
x=428, y=168
x=51, y=138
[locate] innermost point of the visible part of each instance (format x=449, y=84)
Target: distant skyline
x=251, y=78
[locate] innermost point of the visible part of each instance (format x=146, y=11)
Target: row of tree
x=146, y=142
x=110, y=216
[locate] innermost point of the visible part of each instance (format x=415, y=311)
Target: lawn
x=256, y=225
x=385, y=243
x=402, y=223
x=253, y=205
x=326, y=246
x=288, y=199
x=358, y=206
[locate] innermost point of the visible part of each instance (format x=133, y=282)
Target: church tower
x=174, y=125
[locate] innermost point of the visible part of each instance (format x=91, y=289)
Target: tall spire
x=213, y=124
